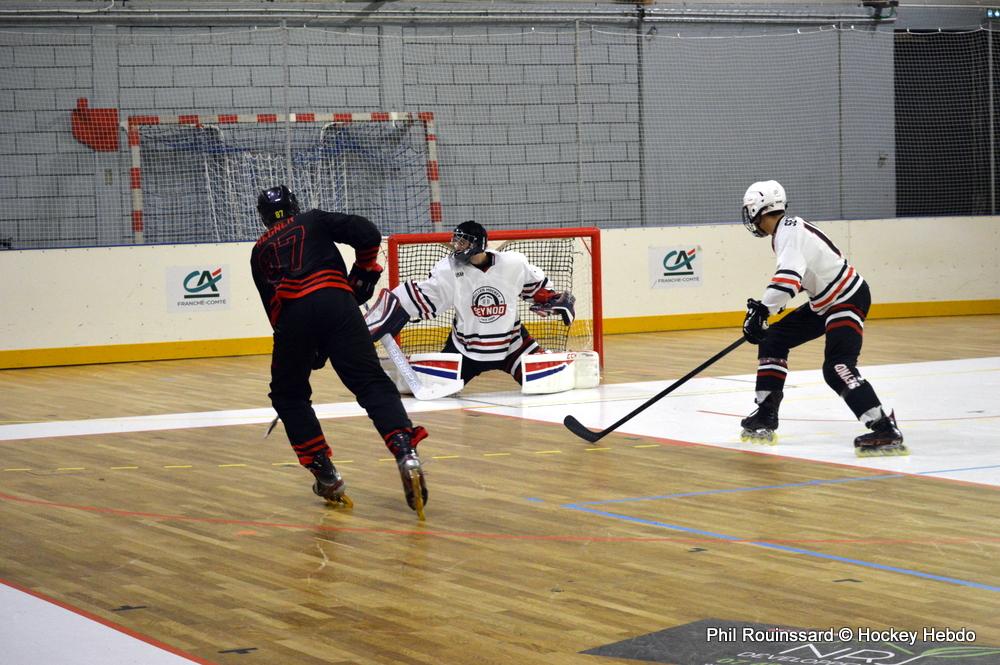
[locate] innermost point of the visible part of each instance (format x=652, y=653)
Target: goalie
x=483, y=286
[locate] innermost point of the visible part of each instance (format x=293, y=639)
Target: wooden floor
x=219, y=542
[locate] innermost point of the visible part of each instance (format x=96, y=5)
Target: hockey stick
x=416, y=386
x=578, y=428
x=413, y=382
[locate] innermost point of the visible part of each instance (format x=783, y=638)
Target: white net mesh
x=568, y=262
x=557, y=125
x=377, y=169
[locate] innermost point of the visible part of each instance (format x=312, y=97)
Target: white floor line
x=37, y=631
x=949, y=412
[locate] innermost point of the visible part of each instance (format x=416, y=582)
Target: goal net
x=211, y=169
x=569, y=257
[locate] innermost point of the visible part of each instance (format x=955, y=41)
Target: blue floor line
x=806, y=483
x=967, y=468
x=581, y=506
x=785, y=548
x=877, y=566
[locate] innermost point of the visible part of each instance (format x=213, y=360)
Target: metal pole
x=993, y=146
x=287, y=103
x=579, y=127
x=640, y=99
x=840, y=122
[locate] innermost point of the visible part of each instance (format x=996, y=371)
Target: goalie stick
x=417, y=387
x=413, y=382
x=578, y=428
x=419, y=390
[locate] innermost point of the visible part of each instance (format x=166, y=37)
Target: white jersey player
x=839, y=300
x=484, y=287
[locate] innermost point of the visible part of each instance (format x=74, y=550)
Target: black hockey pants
x=510, y=364
x=327, y=322
x=843, y=325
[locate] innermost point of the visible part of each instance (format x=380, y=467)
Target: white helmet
x=762, y=197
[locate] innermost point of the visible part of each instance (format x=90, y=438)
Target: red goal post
x=569, y=257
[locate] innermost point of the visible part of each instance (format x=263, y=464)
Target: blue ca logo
x=679, y=262
x=205, y=281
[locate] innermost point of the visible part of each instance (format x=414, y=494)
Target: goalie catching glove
x=386, y=317
x=362, y=280
x=548, y=302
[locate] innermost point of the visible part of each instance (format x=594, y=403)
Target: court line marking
x=806, y=483
x=478, y=402
x=582, y=507
x=427, y=530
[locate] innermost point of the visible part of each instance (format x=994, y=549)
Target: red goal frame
x=589, y=233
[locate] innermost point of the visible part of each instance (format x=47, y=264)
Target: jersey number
x=282, y=255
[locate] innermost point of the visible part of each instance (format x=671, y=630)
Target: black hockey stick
x=578, y=428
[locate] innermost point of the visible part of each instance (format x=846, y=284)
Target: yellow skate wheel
x=761, y=440
x=418, y=495
x=343, y=501
x=902, y=451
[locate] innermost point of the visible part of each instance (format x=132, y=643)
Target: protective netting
x=551, y=125
x=946, y=146
x=211, y=175
x=567, y=263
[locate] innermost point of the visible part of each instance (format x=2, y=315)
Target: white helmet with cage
x=760, y=198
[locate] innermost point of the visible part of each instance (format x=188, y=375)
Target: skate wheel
x=897, y=452
x=770, y=439
x=418, y=495
x=344, y=501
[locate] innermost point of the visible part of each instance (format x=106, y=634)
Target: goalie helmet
x=760, y=198
x=468, y=239
x=276, y=204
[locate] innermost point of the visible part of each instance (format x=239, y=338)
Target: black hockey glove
x=755, y=324
x=560, y=303
x=363, y=280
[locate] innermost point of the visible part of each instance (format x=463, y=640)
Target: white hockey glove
x=548, y=303
x=386, y=316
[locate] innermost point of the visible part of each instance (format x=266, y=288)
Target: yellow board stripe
x=250, y=346
x=899, y=310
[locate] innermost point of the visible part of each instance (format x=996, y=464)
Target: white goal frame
x=133, y=124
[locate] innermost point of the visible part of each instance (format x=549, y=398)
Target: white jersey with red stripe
x=808, y=261
x=486, y=326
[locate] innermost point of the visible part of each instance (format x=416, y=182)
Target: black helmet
x=277, y=204
x=472, y=232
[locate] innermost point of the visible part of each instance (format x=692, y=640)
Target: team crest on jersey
x=488, y=304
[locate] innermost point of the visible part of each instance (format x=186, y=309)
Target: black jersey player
x=312, y=303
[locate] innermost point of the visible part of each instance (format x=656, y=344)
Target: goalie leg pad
x=439, y=369
x=546, y=373
x=386, y=316
x=588, y=369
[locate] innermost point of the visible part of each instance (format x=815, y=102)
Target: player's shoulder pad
x=509, y=256
x=445, y=264
x=788, y=228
